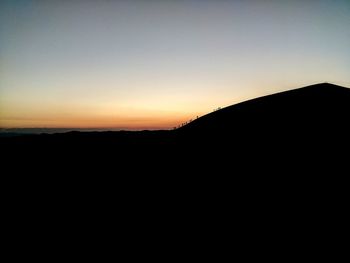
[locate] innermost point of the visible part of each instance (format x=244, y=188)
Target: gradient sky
x=154, y=64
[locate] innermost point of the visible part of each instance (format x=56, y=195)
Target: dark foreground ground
x=269, y=175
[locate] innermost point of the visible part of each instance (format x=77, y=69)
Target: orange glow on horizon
x=131, y=123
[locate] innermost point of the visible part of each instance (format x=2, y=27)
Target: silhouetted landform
x=274, y=160
x=21, y=131
x=309, y=111
x=308, y=121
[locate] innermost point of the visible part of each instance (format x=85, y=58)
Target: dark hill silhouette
x=313, y=118
x=309, y=120
x=320, y=106
x=276, y=162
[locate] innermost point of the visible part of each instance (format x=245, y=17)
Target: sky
x=147, y=64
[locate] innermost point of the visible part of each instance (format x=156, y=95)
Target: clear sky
x=154, y=64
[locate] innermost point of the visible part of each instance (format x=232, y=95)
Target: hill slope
x=303, y=133
x=317, y=108
x=314, y=119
